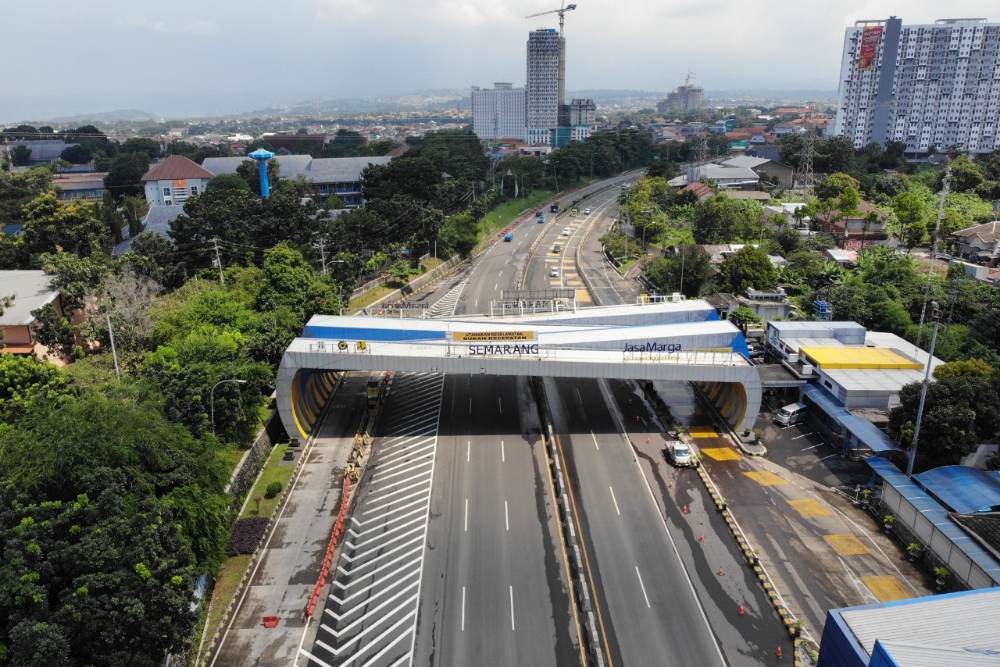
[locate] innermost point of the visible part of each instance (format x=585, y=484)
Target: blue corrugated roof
x=863, y=430
x=934, y=512
x=963, y=489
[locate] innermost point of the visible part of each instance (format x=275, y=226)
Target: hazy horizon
x=225, y=57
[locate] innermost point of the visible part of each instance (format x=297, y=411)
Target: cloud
x=198, y=27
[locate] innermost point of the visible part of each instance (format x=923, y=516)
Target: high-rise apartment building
x=934, y=85
x=682, y=99
x=545, y=88
x=498, y=113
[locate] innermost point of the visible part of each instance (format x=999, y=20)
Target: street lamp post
x=911, y=458
x=211, y=398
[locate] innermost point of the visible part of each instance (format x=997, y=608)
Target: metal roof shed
x=963, y=489
x=953, y=629
x=860, y=429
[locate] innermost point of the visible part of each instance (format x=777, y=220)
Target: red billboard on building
x=868, y=54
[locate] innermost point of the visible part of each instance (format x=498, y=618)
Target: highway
x=459, y=468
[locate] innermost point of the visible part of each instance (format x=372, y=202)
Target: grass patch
x=230, y=573
x=231, y=457
x=275, y=470
x=369, y=297
x=506, y=213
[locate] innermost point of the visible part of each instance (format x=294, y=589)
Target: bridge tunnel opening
x=730, y=400
x=310, y=389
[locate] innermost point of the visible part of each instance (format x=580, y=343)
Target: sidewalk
x=821, y=551
x=287, y=572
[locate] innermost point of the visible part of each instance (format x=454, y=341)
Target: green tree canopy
x=748, y=267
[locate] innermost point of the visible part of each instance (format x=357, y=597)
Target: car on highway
x=793, y=413
x=566, y=231
x=557, y=248
x=553, y=272
x=680, y=455
x=509, y=236
x=586, y=211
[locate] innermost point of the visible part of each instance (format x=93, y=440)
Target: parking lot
x=806, y=450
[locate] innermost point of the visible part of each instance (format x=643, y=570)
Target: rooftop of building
x=951, y=629
x=79, y=180
x=29, y=291
x=858, y=358
x=176, y=167
x=987, y=232
x=963, y=489
x=313, y=170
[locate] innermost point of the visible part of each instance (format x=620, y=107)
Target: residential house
x=775, y=171
x=341, y=176
x=768, y=304
x=21, y=294
x=700, y=191
x=171, y=181
x=979, y=243
x=724, y=176
x=80, y=186
x=845, y=258
x=43, y=151
x=855, y=231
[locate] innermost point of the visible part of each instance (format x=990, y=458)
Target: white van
x=792, y=413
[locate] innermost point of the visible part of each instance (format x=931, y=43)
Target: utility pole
x=912, y=457
x=218, y=260
x=321, y=246
x=806, y=178
x=945, y=189
x=114, y=350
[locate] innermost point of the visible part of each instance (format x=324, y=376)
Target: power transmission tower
x=805, y=177
x=218, y=260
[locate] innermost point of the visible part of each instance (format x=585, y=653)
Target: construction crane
x=563, y=8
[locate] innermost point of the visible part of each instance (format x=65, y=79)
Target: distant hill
x=117, y=116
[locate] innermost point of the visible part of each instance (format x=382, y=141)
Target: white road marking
x=614, y=501
x=804, y=435
x=503, y=456
x=495, y=285
x=470, y=405
x=596, y=446
x=463, y=608
x=829, y=457
x=466, y=515
x=511, y=608
x=506, y=516
x=500, y=404
x=642, y=587
x=468, y=450
x=806, y=449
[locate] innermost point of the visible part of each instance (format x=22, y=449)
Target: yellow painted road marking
x=582, y=296
x=765, y=478
x=703, y=432
x=846, y=544
x=721, y=453
x=555, y=283
x=574, y=283
x=886, y=587
x=809, y=507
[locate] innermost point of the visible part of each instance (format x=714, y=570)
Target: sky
x=200, y=57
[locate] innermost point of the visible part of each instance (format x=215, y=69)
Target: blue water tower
x=262, y=156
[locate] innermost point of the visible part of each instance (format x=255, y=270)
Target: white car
x=566, y=231
x=553, y=273
x=680, y=454
x=586, y=211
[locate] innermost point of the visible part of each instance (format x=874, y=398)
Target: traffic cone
x=684, y=509
x=721, y=572
x=778, y=653
x=741, y=611
x=701, y=538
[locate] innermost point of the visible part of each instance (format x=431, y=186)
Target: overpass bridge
x=666, y=341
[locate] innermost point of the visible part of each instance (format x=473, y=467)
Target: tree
x=414, y=176
x=77, y=154
x=51, y=226
x=126, y=297
x=24, y=380
x=459, y=234
x=834, y=185
x=748, y=267
x=961, y=412
x=140, y=145
x=229, y=182
x=965, y=368
x=744, y=318
x=291, y=283
x=724, y=220
x=912, y=213
x=20, y=156
x=400, y=272
x=125, y=175
x=966, y=175
x=685, y=271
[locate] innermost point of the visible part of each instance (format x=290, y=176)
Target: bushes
x=247, y=534
x=273, y=489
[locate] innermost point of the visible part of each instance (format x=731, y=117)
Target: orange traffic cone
x=778, y=653
x=741, y=611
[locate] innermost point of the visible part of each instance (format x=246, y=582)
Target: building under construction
x=683, y=99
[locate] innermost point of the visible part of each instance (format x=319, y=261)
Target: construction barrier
x=331, y=547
